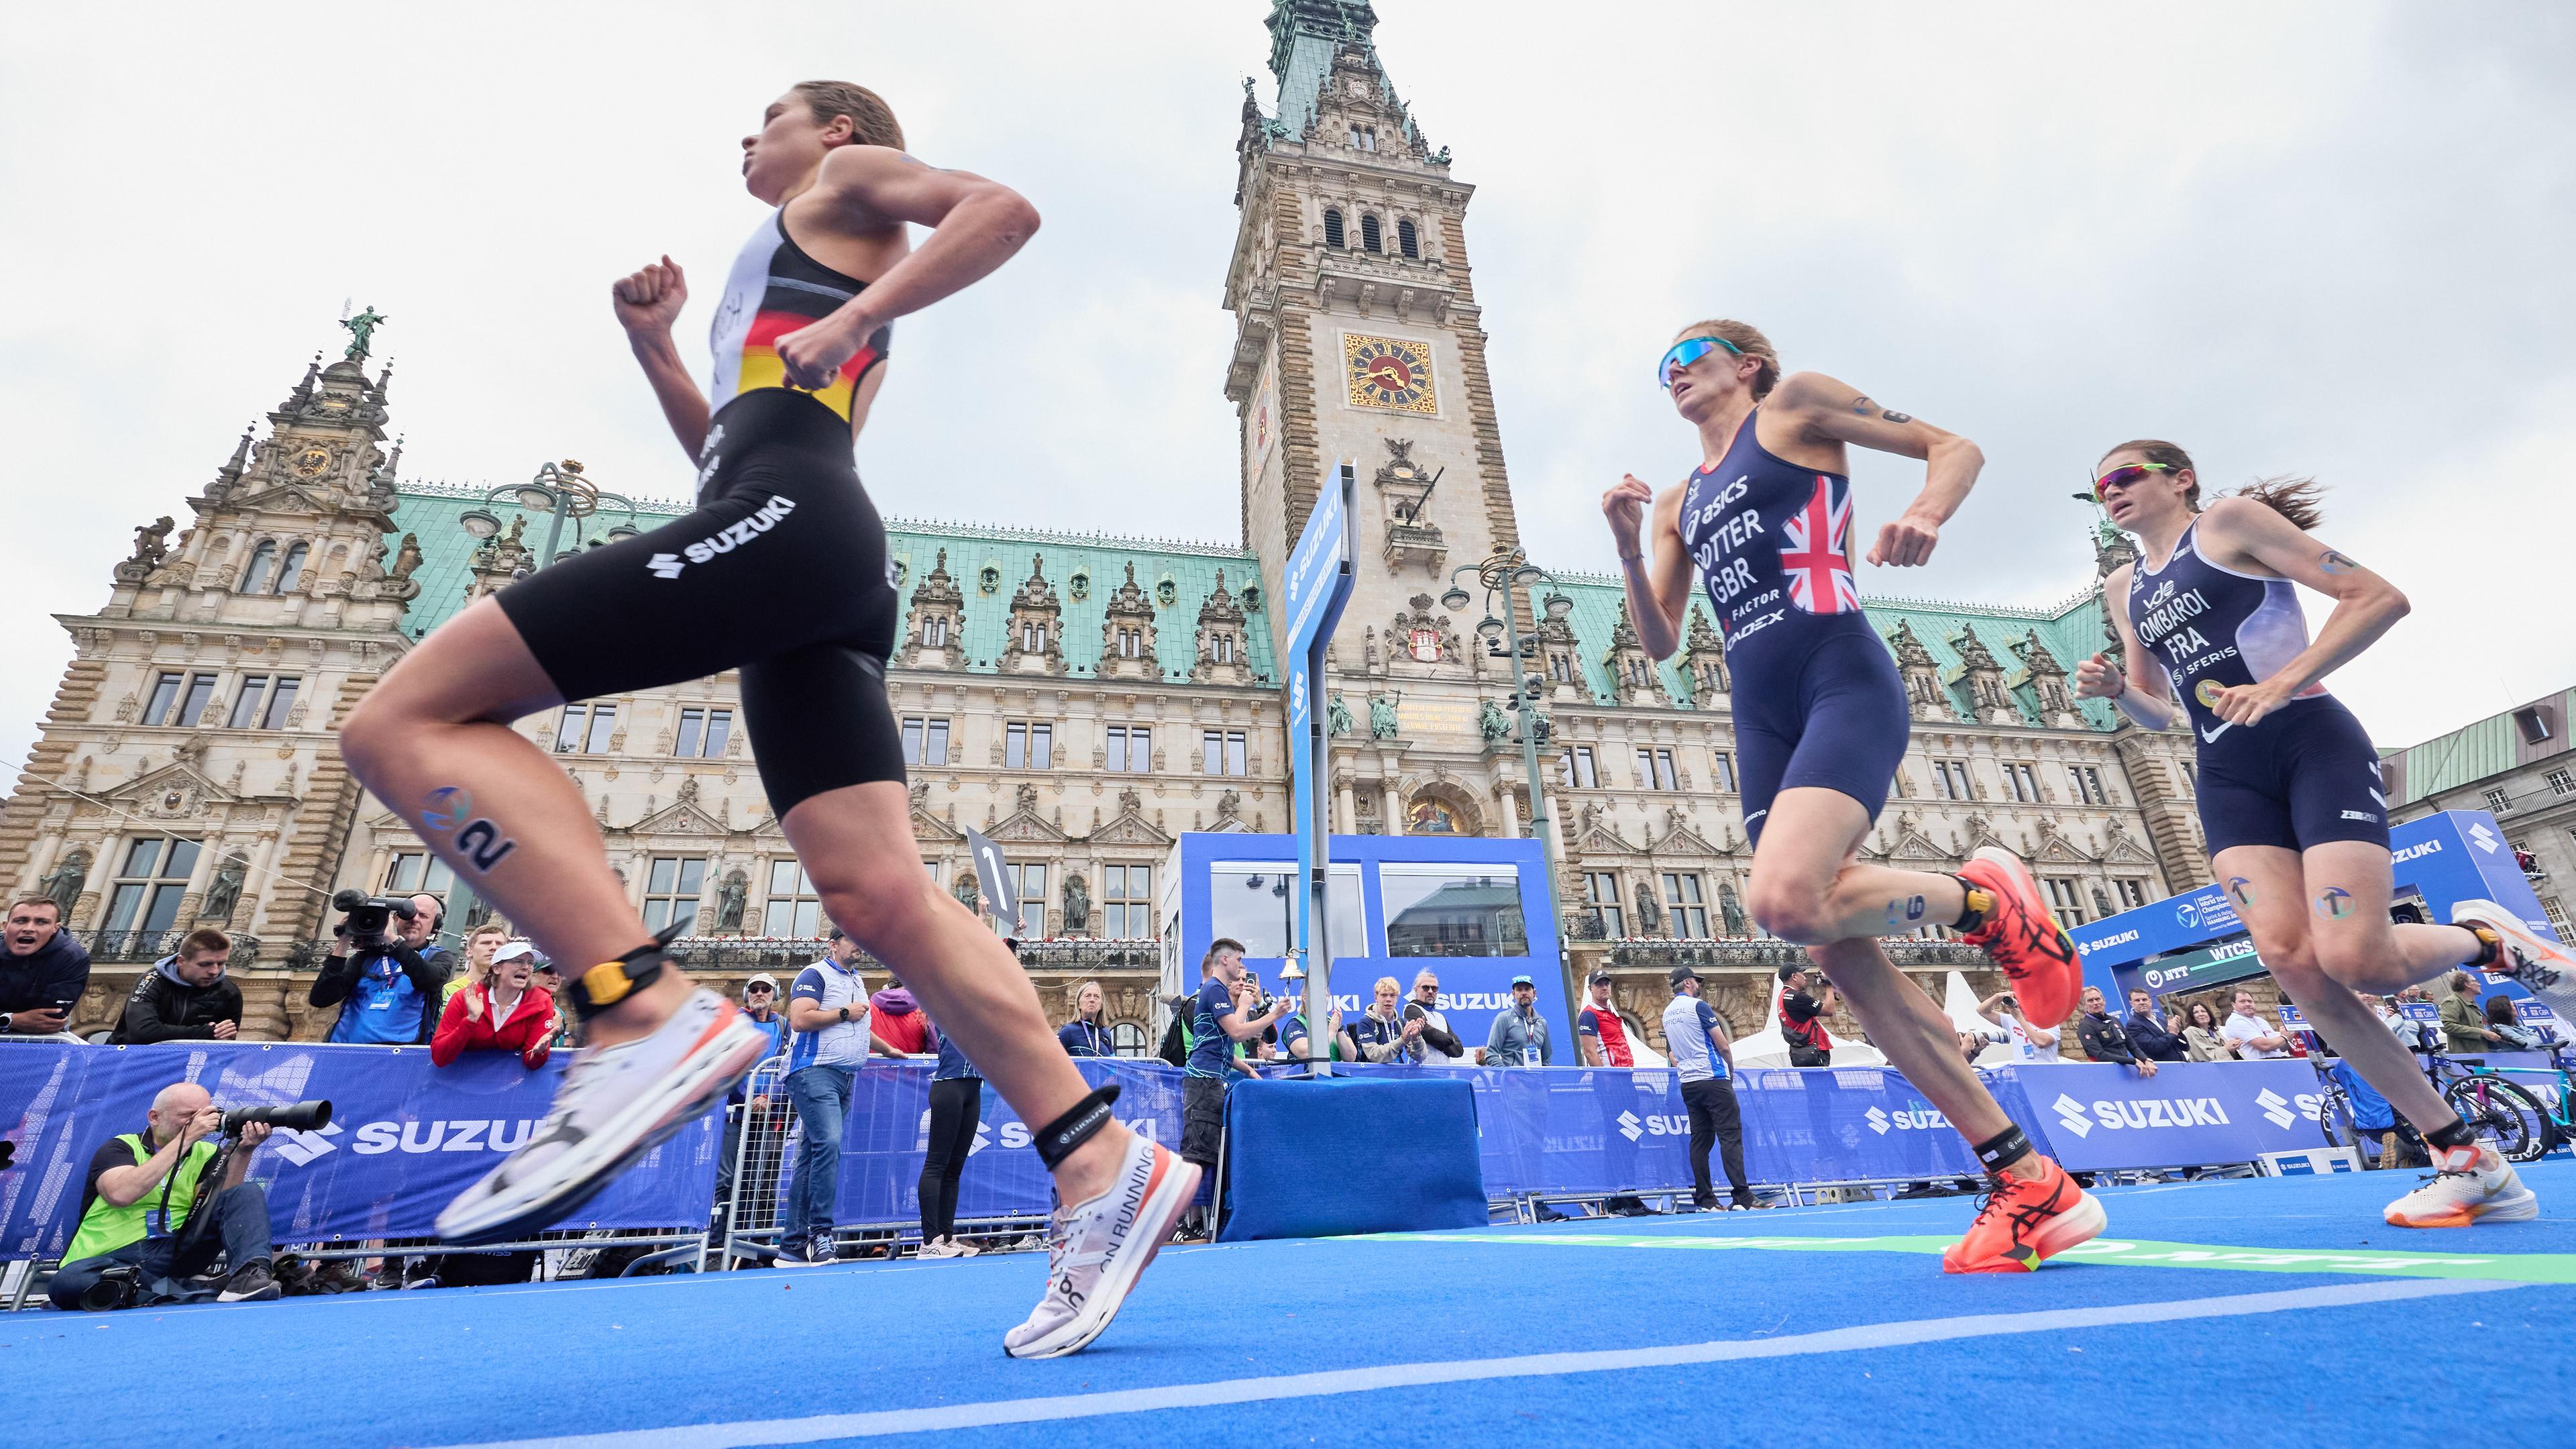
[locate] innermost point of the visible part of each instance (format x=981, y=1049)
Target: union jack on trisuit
x=1819, y=572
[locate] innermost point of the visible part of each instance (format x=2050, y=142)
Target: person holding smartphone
x=43, y=971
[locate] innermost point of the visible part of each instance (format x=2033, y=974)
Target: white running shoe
x=2540, y=967
x=940, y=1248
x=963, y=1249
x=1096, y=1249
x=614, y=1105
x=2466, y=1190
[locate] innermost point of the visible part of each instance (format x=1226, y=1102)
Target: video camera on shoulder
x=370, y=917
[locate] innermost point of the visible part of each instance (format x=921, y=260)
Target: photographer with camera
x=141, y=1232
x=1802, y=1016
x=186, y=996
x=389, y=975
x=43, y=971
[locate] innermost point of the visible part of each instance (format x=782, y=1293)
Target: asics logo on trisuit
x=668, y=565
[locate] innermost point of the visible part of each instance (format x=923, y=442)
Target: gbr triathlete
x=781, y=572
x=2291, y=799
x=1820, y=728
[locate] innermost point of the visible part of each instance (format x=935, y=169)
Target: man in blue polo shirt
x=828, y=1010
x=1215, y=1026
x=1695, y=1038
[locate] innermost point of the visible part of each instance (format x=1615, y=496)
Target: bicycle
x=2500, y=1110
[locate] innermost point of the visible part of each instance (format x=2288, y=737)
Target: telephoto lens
x=295, y=1116
x=114, y=1289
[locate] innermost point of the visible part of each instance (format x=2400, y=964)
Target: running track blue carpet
x=2278, y=1312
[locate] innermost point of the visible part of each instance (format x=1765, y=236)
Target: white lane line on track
x=1414, y=1375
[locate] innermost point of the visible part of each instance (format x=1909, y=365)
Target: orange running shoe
x=2023, y=1222
x=2023, y=938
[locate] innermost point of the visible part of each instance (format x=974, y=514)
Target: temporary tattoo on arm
x=1897, y=417
x=1861, y=405
x=2241, y=888
x=2334, y=903
x=2335, y=563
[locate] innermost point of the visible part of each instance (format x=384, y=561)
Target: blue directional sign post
x=1317, y=584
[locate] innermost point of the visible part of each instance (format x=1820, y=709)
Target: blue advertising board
x=2444, y=858
x=1317, y=582
x=1475, y=911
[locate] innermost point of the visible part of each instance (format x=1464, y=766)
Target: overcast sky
x=2330, y=238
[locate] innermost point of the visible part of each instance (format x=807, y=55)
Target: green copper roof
x=1304, y=35
x=2070, y=631
x=2467, y=754
x=1178, y=576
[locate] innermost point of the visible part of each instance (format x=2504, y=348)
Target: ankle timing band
x=1974, y=901
x=610, y=982
x=2458, y=1134
x=2490, y=946
x=1057, y=1140
x=2003, y=1147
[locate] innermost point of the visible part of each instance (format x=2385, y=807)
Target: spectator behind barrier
x=2154, y=1040
x=2104, y=1039
x=43, y=971
x=185, y=996
x=390, y=983
x=2508, y=1028
x=2254, y=1039
x=480, y=943
x=897, y=1020
x=1802, y=1018
x=1249, y=1000
x=1519, y=1036
x=504, y=1012
x=1085, y=1035
x=1599, y=1033
x=1217, y=1022
x=1439, y=1047
x=750, y=1111
x=2203, y=1040
x=140, y=1196
x=1384, y=1033
x=2036, y=1041
x=2464, y=1025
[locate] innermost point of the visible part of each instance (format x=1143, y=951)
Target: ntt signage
x=2195, y=939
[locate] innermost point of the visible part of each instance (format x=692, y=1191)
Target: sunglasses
x=2128, y=473
x=1688, y=351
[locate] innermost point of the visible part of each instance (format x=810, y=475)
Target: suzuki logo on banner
x=481, y=1135
x=2276, y=1107
x=300, y=1148
x=2483, y=838
x=2070, y=1115
x=1911, y=1119
x=1632, y=1127
x=1628, y=1127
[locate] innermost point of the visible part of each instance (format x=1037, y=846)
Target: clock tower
x=1358, y=338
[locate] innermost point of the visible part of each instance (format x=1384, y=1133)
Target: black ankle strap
x=610, y=982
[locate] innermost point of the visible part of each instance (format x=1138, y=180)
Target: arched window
x=263, y=559
x=934, y=631
x=1332, y=227
x=1369, y=238
x=291, y=572
x=1032, y=637
x=1408, y=241
x=1224, y=648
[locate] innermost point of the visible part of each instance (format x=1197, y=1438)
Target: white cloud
x=2322, y=238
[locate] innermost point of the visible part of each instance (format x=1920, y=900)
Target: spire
x=230, y=473
x=384, y=380
x=303, y=390
x=1305, y=37
x=383, y=477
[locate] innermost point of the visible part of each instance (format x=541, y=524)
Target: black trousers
x=956, y=1110
x=1714, y=1121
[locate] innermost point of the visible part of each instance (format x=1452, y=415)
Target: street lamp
x=559, y=488
x=1503, y=573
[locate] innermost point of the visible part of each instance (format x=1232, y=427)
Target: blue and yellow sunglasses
x=1688, y=351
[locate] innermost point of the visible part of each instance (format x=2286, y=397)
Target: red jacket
x=529, y=1031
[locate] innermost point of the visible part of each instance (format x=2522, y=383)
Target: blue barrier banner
x=1837, y=1124
x=1306, y=1181
x=2094, y=1116
x=405, y=1136
x=886, y=1137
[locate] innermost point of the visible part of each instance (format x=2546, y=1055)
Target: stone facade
x=2515, y=766
x=1080, y=698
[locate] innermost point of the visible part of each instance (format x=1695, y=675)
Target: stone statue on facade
x=151, y=542
x=226, y=891
x=1382, y=721
x=408, y=559
x=1077, y=903
x=1650, y=912
x=63, y=887
x=730, y=901
x=968, y=893
x=1337, y=717
x=1732, y=910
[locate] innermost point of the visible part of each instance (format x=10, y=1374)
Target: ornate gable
x=1634, y=679
x=937, y=636
x=1127, y=634
x=1910, y=843
x=1035, y=643
x=1129, y=827
x=1222, y=655
x=1024, y=826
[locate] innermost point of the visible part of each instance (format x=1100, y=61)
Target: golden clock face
x=312, y=461
x=1387, y=372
